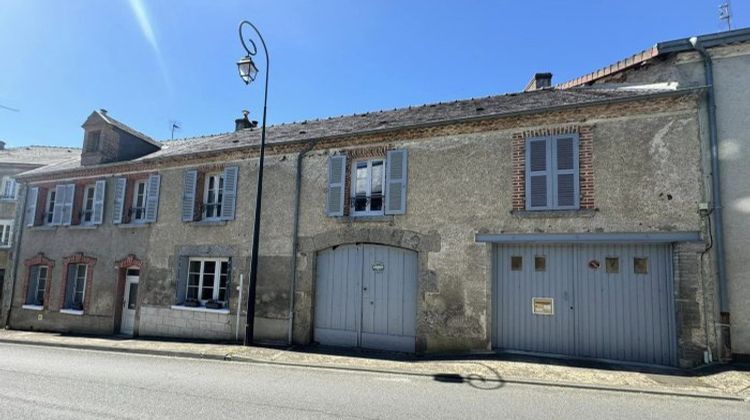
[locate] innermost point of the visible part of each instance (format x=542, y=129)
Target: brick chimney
x=244, y=122
x=539, y=81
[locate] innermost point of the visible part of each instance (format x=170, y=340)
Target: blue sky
x=149, y=62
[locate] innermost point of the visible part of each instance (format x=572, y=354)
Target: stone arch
x=129, y=261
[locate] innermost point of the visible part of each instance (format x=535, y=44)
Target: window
x=612, y=265
x=76, y=286
x=368, y=179
x=552, y=173
x=50, y=210
x=540, y=263
x=87, y=212
x=6, y=231
x=207, y=279
x=37, y=284
x=516, y=263
x=139, y=202
x=213, y=196
x=640, y=265
x=93, y=140
x=9, y=188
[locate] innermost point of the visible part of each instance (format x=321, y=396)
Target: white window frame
x=9, y=183
x=139, y=210
x=37, y=288
x=6, y=233
x=88, y=195
x=368, y=192
x=217, y=279
x=75, y=285
x=212, y=209
x=49, y=211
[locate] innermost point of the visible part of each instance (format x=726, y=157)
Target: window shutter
x=565, y=182
x=229, y=196
x=395, y=182
x=57, y=211
x=152, y=198
x=537, y=174
x=119, y=202
x=31, y=286
x=99, y=194
x=181, y=283
x=70, y=192
x=70, y=285
x=188, y=195
x=33, y=199
x=336, y=182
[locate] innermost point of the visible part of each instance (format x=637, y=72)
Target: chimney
x=103, y=111
x=244, y=122
x=539, y=81
x=2, y=145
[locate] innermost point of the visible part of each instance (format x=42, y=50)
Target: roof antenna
x=175, y=126
x=725, y=13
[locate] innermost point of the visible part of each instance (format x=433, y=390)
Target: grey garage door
x=366, y=296
x=599, y=301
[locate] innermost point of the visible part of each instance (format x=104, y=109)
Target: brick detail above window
x=585, y=163
x=129, y=261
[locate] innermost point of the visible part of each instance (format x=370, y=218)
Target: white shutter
x=33, y=198
x=119, y=202
x=70, y=192
x=336, y=182
x=229, y=195
x=188, y=195
x=57, y=210
x=396, y=172
x=152, y=198
x=99, y=194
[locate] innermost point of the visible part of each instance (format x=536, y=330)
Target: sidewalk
x=483, y=372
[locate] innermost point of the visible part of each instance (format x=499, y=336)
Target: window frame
x=89, y=192
x=217, y=204
x=9, y=183
x=71, y=305
x=49, y=205
x=37, y=287
x=93, y=141
x=216, y=287
x=551, y=172
x=135, y=209
x=368, y=193
x=6, y=230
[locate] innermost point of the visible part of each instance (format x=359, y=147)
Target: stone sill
x=200, y=309
x=132, y=225
x=553, y=214
x=43, y=227
x=8, y=199
x=9, y=246
x=33, y=307
x=83, y=227
x=71, y=312
x=209, y=223
x=365, y=219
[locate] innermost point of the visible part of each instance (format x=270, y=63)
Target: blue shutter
x=70, y=284
x=119, y=201
x=188, y=195
x=152, y=198
x=99, y=193
x=31, y=203
x=57, y=210
x=181, y=281
x=396, y=173
x=565, y=175
x=538, y=182
x=336, y=182
x=67, y=212
x=229, y=195
x=32, y=285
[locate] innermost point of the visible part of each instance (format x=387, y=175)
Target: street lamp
x=248, y=72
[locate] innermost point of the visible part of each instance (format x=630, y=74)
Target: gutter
x=295, y=235
x=716, y=208
x=45, y=176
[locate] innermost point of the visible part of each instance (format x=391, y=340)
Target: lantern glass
x=247, y=69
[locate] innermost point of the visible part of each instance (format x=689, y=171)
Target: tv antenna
x=174, y=125
x=725, y=13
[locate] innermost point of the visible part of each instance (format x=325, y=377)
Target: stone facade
x=640, y=172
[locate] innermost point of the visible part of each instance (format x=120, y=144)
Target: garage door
x=598, y=301
x=365, y=296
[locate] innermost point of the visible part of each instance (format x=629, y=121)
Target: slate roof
x=126, y=128
x=429, y=114
x=38, y=155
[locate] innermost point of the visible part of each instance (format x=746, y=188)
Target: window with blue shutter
x=188, y=195
x=552, y=179
x=118, y=207
x=152, y=198
x=336, y=180
x=229, y=197
x=33, y=199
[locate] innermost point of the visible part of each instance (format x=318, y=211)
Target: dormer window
x=92, y=141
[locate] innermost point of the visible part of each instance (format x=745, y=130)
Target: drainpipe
x=295, y=235
x=18, y=232
x=715, y=175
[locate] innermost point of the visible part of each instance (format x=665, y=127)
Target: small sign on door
x=543, y=306
x=378, y=267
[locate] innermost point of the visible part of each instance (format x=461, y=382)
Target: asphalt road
x=41, y=382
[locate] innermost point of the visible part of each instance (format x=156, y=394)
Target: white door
x=129, y=301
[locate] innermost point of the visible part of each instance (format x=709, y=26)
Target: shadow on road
x=490, y=381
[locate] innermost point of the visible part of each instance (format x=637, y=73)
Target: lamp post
x=248, y=72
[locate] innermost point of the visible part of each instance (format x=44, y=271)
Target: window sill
x=43, y=227
x=200, y=309
x=8, y=199
x=132, y=225
x=83, y=227
x=33, y=307
x=71, y=312
x=8, y=246
x=209, y=223
x=371, y=219
x=553, y=214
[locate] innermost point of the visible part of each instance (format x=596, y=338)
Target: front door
x=366, y=296
x=129, y=301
